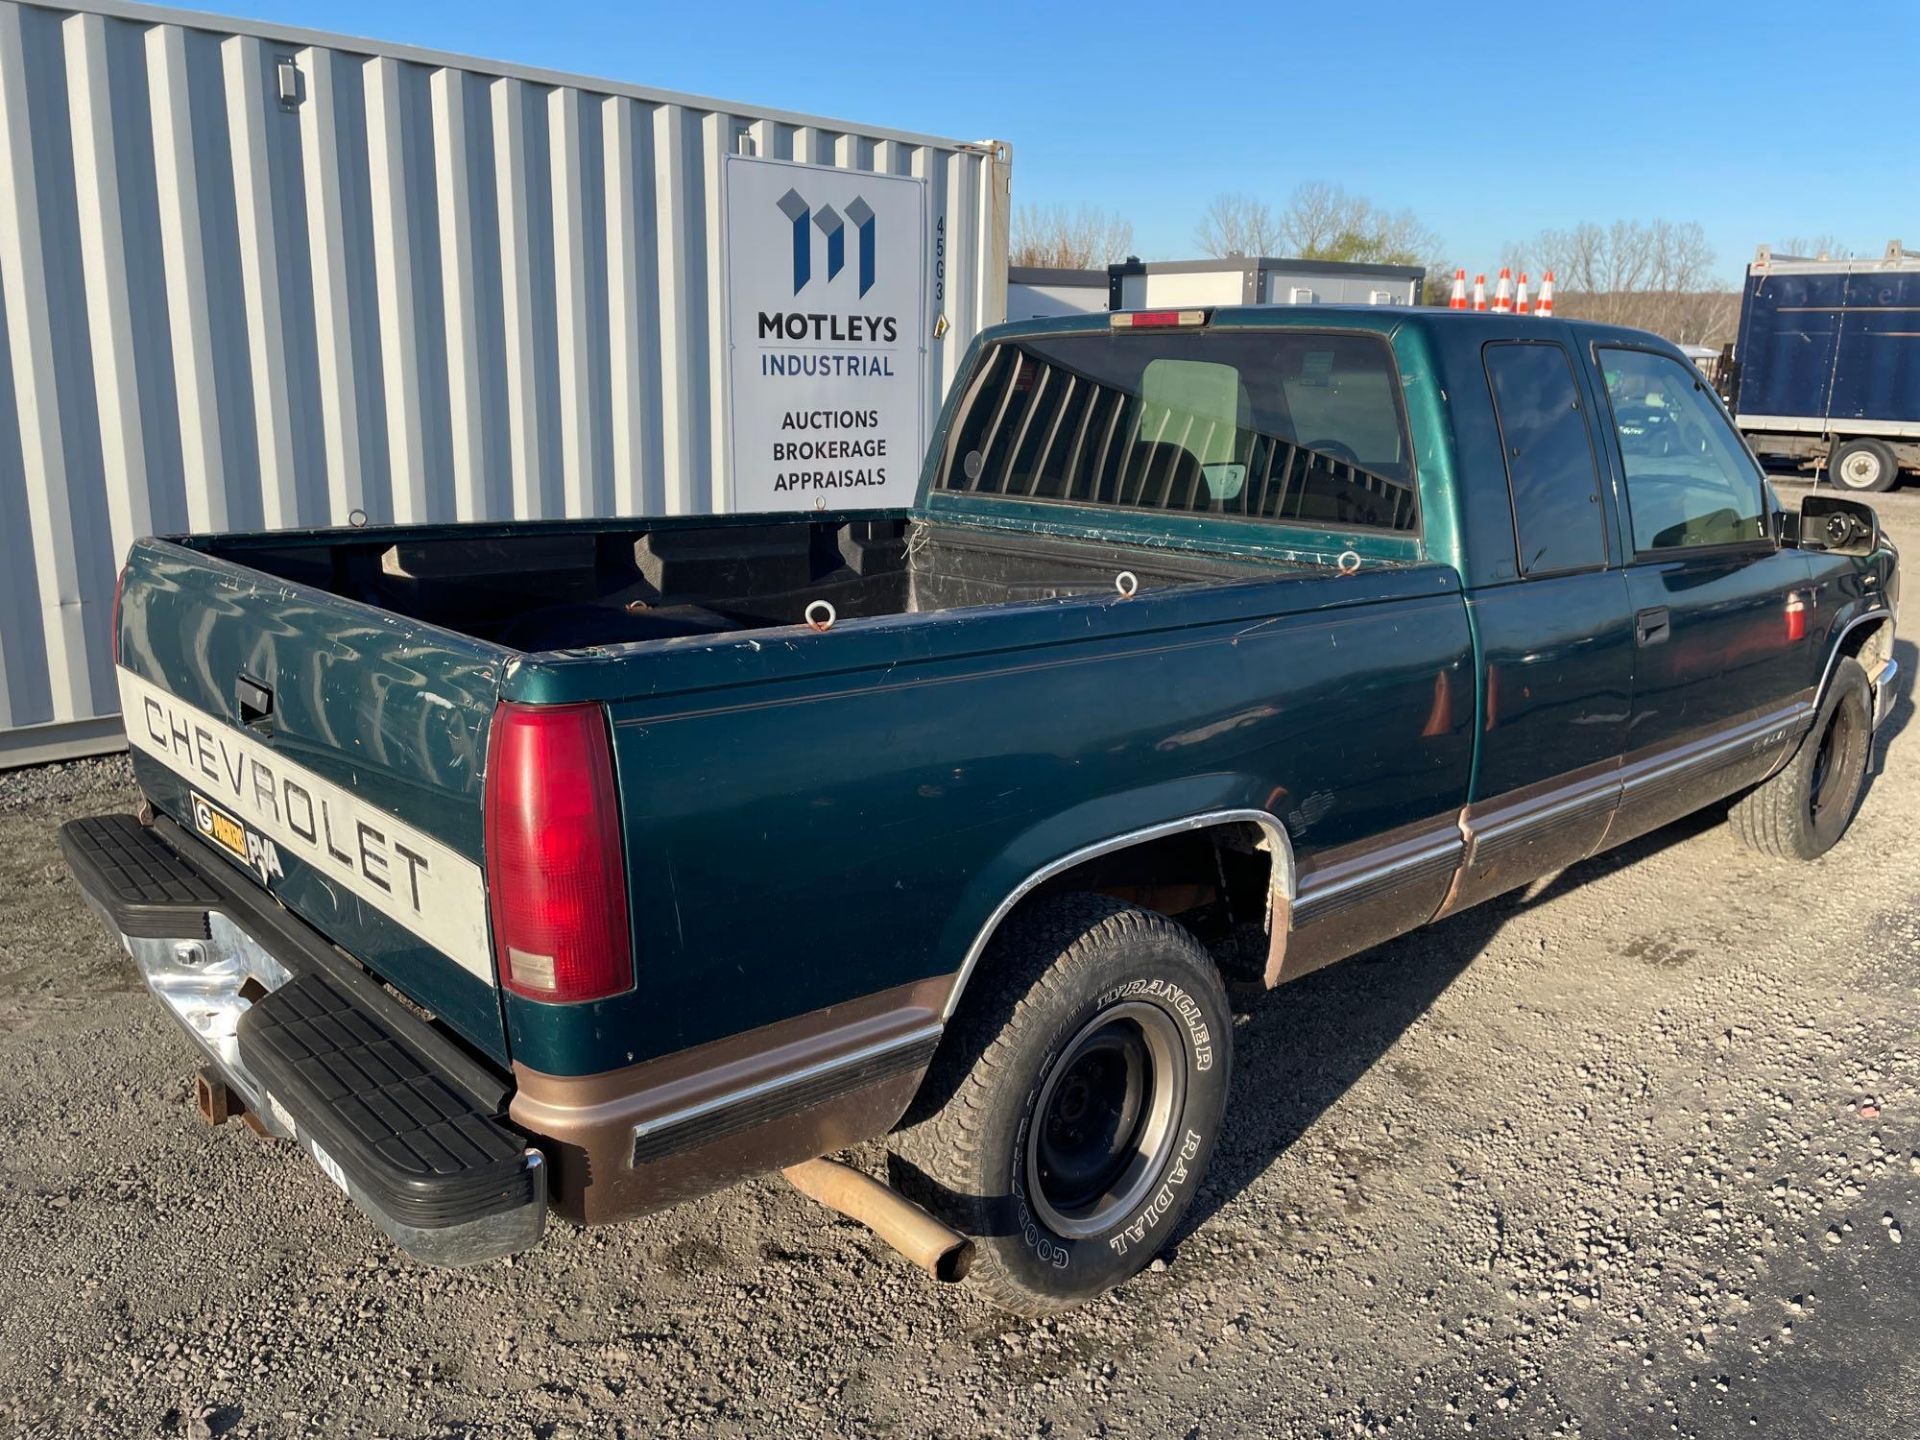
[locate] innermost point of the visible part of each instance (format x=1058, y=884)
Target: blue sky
x=1762, y=121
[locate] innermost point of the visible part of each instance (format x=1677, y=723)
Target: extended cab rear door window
x=1690, y=482
x=1558, y=521
x=1295, y=427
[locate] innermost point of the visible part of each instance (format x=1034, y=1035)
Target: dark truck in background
x=593, y=865
x=1826, y=369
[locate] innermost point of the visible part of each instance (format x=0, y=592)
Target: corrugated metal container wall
x=1832, y=344
x=424, y=287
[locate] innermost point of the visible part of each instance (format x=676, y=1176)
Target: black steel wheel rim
x=1835, y=764
x=1104, y=1124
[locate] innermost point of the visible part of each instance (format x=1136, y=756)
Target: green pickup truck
x=591, y=865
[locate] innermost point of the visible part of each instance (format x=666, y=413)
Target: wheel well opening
x=1218, y=882
x=1868, y=644
x=1227, y=883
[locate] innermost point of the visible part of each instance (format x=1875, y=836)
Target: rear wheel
x=1864, y=465
x=1075, y=1103
x=1802, y=812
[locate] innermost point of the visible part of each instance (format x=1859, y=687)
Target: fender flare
x=1878, y=616
x=1281, y=886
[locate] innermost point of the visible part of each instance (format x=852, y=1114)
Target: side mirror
x=1785, y=525
x=1847, y=527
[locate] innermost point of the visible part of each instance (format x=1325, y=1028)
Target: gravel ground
x=1634, y=1153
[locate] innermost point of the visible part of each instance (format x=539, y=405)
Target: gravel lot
x=1632, y=1154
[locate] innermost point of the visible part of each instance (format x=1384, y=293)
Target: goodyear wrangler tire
x=1072, y=1109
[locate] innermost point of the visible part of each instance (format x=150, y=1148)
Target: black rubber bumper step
x=418, y=1150
x=142, y=882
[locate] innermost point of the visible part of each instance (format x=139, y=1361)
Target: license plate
x=218, y=826
x=256, y=852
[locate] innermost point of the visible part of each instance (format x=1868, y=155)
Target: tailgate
x=332, y=751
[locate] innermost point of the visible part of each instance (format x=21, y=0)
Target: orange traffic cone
x=1545, y=307
x=1479, y=292
x=1459, y=300
x=1503, y=292
x=1520, y=296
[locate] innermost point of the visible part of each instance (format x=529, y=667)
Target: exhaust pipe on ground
x=940, y=1250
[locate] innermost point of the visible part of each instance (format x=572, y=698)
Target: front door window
x=1690, y=482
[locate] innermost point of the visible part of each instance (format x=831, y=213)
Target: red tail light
x=1155, y=319
x=556, y=877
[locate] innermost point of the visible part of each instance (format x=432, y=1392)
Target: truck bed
x=535, y=588
x=374, y=661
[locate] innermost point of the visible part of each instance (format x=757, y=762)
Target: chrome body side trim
x=1604, y=789
x=1381, y=881
x=1279, y=900
x=1319, y=895
x=1754, y=734
x=775, y=1083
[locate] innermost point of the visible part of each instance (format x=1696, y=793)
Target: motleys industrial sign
x=826, y=319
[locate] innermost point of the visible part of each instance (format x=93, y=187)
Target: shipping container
x=1261, y=280
x=253, y=276
x=1826, y=369
x=1037, y=292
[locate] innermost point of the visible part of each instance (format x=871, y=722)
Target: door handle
x=1651, y=626
x=255, y=702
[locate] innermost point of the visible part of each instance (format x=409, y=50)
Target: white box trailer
x=254, y=276
x=1262, y=280
x=1037, y=292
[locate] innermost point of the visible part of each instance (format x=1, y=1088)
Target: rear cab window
x=1559, y=523
x=1292, y=427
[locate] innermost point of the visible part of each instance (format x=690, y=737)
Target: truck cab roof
x=1451, y=458
x=1458, y=326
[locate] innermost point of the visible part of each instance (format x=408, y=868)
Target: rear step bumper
x=403, y=1121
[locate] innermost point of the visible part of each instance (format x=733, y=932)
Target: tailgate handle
x=1651, y=627
x=255, y=701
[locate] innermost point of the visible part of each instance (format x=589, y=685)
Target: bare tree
x=1321, y=221
x=1437, y=288
x=1519, y=255
x=1237, y=225
x=1316, y=216
x=1054, y=237
x=1653, y=275
x=1324, y=222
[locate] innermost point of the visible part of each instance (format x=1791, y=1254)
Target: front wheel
x=1865, y=465
x=1075, y=1102
x=1802, y=812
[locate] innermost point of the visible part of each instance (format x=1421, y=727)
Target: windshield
x=1290, y=426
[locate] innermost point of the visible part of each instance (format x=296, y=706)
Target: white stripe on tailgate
x=408, y=876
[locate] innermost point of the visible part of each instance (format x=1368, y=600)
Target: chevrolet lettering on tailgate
x=262, y=809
